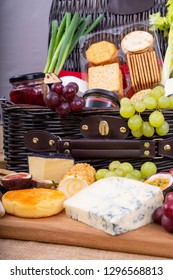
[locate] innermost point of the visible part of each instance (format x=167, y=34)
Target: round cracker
x=137, y=41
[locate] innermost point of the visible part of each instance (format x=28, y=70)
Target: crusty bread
x=101, y=52
x=106, y=77
x=33, y=203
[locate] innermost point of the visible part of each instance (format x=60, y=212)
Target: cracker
x=101, y=52
x=155, y=65
x=105, y=77
x=137, y=41
x=141, y=71
x=147, y=69
x=136, y=73
x=130, y=69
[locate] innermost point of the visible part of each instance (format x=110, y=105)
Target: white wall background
x=24, y=26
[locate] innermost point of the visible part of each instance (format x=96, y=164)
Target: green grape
x=135, y=122
x=110, y=174
x=148, y=168
x=119, y=172
x=127, y=111
x=130, y=176
x=150, y=103
x=137, y=174
x=137, y=133
x=126, y=167
x=163, y=129
x=125, y=101
x=114, y=164
x=100, y=174
x=147, y=129
x=170, y=101
x=157, y=92
x=163, y=102
x=156, y=119
x=140, y=106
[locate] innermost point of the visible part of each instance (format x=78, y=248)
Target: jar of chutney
x=28, y=89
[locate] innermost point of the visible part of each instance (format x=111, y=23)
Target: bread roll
x=33, y=203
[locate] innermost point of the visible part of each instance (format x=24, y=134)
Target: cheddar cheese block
x=42, y=167
x=33, y=203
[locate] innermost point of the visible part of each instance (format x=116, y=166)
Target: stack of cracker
x=141, y=59
x=104, y=71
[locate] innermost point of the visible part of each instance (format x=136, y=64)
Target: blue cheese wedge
x=115, y=205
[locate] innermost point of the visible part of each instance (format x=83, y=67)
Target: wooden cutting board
x=148, y=240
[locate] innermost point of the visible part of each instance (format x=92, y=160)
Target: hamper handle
x=42, y=141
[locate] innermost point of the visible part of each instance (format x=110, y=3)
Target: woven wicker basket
x=20, y=119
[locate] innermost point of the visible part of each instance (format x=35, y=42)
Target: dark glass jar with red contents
x=28, y=89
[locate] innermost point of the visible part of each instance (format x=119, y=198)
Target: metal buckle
x=154, y=140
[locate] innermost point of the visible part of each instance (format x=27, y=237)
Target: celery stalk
x=168, y=63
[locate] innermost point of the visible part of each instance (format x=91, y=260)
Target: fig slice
x=16, y=181
x=163, y=180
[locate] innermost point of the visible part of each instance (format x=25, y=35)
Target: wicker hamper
x=19, y=119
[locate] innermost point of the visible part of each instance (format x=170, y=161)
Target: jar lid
x=103, y=93
x=29, y=76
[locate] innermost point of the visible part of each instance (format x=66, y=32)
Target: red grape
x=157, y=215
x=73, y=84
x=169, y=196
x=167, y=223
x=63, y=109
x=77, y=103
x=69, y=92
x=57, y=87
x=52, y=100
x=168, y=209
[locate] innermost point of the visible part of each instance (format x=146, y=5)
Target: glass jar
x=100, y=98
x=28, y=89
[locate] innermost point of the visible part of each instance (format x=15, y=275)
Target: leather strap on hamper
x=41, y=141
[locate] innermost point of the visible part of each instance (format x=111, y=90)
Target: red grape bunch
x=163, y=215
x=64, y=99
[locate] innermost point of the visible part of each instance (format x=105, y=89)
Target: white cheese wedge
x=49, y=168
x=115, y=205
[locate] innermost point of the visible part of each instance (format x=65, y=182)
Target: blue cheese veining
x=115, y=205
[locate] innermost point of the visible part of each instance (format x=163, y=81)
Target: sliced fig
x=16, y=181
x=46, y=184
x=163, y=180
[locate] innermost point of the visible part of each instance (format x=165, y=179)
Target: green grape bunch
x=156, y=101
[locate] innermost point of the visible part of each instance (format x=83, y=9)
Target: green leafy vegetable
x=165, y=24
x=65, y=38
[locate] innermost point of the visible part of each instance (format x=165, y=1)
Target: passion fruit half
x=16, y=181
x=163, y=180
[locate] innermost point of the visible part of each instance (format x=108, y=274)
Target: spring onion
x=65, y=38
